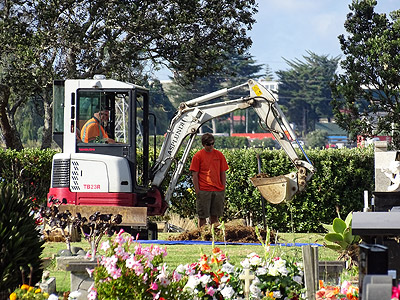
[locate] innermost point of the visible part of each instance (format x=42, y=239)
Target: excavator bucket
x=276, y=189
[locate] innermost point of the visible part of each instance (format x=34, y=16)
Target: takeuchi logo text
x=91, y=186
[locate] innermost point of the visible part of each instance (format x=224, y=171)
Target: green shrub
x=29, y=171
x=20, y=244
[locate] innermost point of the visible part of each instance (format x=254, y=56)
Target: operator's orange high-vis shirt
x=91, y=130
x=209, y=165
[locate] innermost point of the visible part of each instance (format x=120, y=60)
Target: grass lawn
x=182, y=254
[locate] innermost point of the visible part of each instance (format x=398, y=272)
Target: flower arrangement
x=212, y=277
x=137, y=275
x=345, y=291
x=130, y=271
x=28, y=292
x=275, y=278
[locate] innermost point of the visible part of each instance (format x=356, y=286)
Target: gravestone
x=381, y=225
x=80, y=279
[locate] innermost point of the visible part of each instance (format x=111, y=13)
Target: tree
x=304, y=89
x=316, y=139
x=161, y=106
x=366, y=96
x=237, y=70
x=44, y=40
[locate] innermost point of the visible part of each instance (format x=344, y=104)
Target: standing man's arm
x=195, y=178
x=223, y=179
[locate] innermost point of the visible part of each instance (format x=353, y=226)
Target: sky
x=289, y=28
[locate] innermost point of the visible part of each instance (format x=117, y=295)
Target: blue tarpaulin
x=221, y=243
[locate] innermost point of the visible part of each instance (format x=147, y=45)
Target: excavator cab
x=108, y=164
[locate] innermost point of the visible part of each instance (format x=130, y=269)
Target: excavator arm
x=193, y=114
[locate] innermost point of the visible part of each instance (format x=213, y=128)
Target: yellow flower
x=37, y=291
x=25, y=287
x=30, y=289
x=46, y=295
x=13, y=296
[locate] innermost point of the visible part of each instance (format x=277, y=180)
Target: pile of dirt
x=233, y=234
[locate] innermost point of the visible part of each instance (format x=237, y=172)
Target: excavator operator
x=93, y=129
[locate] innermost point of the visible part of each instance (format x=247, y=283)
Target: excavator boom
x=193, y=114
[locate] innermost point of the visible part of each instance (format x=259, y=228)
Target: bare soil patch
x=234, y=233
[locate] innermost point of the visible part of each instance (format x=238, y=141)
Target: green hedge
x=29, y=171
x=338, y=184
x=342, y=176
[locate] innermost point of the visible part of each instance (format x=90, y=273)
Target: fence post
x=311, y=276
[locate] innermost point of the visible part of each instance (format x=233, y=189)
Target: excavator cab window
x=97, y=117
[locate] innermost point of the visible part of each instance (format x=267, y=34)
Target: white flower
x=182, y=268
x=245, y=263
x=53, y=297
x=105, y=246
x=298, y=279
x=273, y=271
x=74, y=295
x=255, y=260
x=277, y=294
x=283, y=271
x=227, y=292
x=280, y=263
x=255, y=291
x=192, y=283
x=224, y=279
x=204, y=280
x=261, y=271
x=228, y=268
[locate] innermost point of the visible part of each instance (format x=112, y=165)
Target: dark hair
x=207, y=138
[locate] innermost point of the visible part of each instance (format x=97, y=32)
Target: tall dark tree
x=43, y=40
x=304, y=89
x=161, y=106
x=367, y=98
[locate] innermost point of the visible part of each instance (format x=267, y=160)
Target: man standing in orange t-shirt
x=209, y=179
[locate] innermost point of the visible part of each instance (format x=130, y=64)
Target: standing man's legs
x=217, y=206
x=203, y=202
x=202, y=222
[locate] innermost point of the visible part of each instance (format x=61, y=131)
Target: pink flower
x=92, y=295
x=115, y=273
x=120, y=251
x=154, y=286
x=119, y=239
x=163, y=276
x=176, y=276
x=88, y=255
x=132, y=263
x=210, y=291
x=344, y=287
x=156, y=296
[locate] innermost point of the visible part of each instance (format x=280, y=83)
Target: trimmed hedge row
x=337, y=186
x=342, y=176
x=29, y=171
